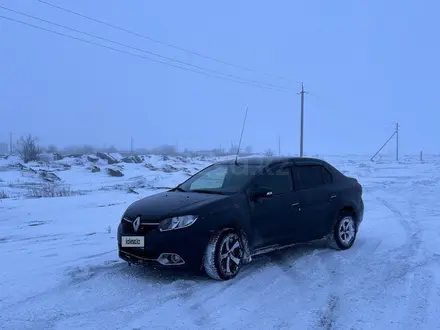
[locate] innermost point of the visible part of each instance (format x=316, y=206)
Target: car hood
x=166, y=204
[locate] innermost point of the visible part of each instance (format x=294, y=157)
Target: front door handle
x=332, y=196
x=295, y=204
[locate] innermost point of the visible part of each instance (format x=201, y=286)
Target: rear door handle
x=295, y=204
x=332, y=196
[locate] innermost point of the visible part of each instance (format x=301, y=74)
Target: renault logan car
x=232, y=210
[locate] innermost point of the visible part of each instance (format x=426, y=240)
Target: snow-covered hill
x=60, y=268
x=90, y=174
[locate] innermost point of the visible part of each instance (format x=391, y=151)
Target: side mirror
x=261, y=192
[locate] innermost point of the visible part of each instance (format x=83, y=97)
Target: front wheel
x=223, y=256
x=343, y=232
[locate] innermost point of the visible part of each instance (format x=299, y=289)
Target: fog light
x=170, y=259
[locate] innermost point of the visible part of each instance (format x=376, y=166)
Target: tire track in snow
x=83, y=283
x=325, y=275
x=198, y=299
x=326, y=319
x=77, y=275
x=406, y=255
x=413, y=253
x=366, y=276
x=282, y=274
x=204, y=309
x=418, y=301
x=410, y=265
x=413, y=268
x=349, y=281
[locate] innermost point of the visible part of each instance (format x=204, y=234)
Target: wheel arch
x=349, y=208
x=235, y=226
x=343, y=210
x=242, y=232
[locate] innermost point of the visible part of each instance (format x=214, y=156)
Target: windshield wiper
x=203, y=191
x=178, y=189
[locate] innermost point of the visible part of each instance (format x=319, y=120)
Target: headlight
x=177, y=222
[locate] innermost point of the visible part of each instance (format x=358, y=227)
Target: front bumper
x=164, y=259
x=182, y=248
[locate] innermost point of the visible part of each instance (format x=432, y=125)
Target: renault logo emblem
x=136, y=223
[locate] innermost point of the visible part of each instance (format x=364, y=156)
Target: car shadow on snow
x=164, y=275
x=284, y=259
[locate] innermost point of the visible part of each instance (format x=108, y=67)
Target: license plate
x=132, y=241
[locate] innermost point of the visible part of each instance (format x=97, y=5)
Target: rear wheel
x=343, y=232
x=224, y=255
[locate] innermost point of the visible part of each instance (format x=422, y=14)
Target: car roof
x=272, y=160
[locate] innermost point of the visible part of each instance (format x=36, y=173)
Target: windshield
x=220, y=178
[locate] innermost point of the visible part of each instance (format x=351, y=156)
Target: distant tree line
x=29, y=150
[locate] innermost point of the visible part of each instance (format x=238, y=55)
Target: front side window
x=220, y=178
x=279, y=180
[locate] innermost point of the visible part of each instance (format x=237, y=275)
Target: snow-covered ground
x=60, y=269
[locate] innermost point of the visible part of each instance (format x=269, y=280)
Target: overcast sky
x=365, y=64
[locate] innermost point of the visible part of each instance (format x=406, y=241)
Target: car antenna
x=241, y=136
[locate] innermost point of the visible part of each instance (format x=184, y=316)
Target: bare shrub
x=248, y=150
x=110, y=149
x=218, y=152
x=45, y=158
x=233, y=149
x=52, y=148
x=3, y=194
x=79, y=150
x=51, y=189
x=86, y=149
x=166, y=149
x=28, y=148
x=269, y=152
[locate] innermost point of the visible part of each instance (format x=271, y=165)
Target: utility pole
x=131, y=145
x=397, y=141
x=301, y=143
x=10, y=142
x=279, y=146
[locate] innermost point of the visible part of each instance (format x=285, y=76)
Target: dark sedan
x=232, y=210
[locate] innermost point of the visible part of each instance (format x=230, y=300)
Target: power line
x=144, y=51
x=161, y=42
x=140, y=56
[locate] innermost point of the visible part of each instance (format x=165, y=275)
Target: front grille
x=145, y=227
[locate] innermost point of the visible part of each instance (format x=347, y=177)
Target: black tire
x=344, y=231
x=223, y=255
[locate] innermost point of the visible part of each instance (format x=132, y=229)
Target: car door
x=270, y=215
x=331, y=192
x=315, y=198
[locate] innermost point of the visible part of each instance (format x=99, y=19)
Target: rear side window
x=328, y=177
x=279, y=180
x=312, y=176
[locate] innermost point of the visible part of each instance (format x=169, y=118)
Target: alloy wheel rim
x=231, y=254
x=346, y=230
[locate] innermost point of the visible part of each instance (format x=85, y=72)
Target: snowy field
x=60, y=268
